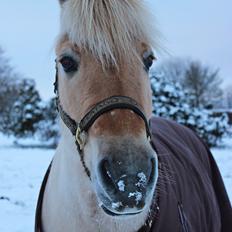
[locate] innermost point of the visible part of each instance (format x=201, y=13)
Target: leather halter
x=80, y=129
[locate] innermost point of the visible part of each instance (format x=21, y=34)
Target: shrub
x=172, y=102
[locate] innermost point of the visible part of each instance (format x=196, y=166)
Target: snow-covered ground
x=21, y=173
x=223, y=157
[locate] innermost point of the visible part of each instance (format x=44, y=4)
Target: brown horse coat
x=190, y=194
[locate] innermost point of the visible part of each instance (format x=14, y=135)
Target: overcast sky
x=199, y=29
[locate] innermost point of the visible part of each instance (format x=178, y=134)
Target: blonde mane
x=108, y=28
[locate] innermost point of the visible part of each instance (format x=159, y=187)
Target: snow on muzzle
x=127, y=176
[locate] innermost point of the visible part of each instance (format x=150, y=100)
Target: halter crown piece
x=80, y=129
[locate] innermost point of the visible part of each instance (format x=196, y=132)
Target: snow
x=116, y=205
x=142, y=180
x=22, y=171
x=223, y=157
x=121, y=186
x=137, y=195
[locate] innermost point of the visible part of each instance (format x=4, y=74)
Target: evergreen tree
x=47, y=128
x=172, y=102
x=25, y=111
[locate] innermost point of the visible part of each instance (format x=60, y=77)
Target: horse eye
x=148, y=58
x=69, y=64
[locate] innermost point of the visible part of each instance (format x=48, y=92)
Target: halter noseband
x=80, y=129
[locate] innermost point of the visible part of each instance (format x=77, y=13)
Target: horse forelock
x=109, y=29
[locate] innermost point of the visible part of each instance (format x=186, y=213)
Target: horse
x=116, y=167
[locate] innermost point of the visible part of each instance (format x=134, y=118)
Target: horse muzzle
x=126, y=178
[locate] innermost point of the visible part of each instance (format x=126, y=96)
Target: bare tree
x=5, y=69
x=8, y=86
x=172, y=69
x=204, y=83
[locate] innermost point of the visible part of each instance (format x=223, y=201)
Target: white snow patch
x=142, y=180
x=138, y=196
x=223, y=157
x=21, y=174
x=116, y=205
x=121, y=186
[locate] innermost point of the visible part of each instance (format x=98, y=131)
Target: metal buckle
x=80, y=138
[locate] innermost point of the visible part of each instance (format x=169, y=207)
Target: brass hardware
x=79, y=138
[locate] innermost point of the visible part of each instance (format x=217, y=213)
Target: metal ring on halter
x=80, y=138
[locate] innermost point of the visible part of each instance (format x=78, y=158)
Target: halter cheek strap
x=80, y=129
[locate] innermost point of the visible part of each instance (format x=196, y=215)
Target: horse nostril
x=106, y=173
x=152, y=172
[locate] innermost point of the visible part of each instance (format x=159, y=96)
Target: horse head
x=104, y=51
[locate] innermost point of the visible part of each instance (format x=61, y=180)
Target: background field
x=22, y=171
